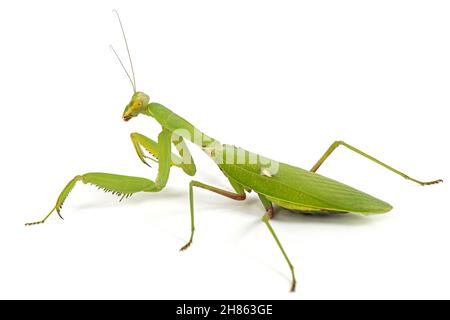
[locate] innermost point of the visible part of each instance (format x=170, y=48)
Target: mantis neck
x=179, y=126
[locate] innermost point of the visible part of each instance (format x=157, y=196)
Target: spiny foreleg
x=186, y=163
x=123, y=186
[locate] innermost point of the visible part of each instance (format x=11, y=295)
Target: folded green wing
x=295, y=187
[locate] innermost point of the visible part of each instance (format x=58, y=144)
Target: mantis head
x=138, y=104
x=139, y=100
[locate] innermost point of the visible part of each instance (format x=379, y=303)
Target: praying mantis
x=274, y=182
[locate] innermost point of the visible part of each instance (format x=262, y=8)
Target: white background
x=281, y=78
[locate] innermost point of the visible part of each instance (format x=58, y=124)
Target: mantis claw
x=432, y=182
x=294, y=282
x=59, y=214
x=42, y=221
x=145, y=162
x=33, y=223
x=187, y=245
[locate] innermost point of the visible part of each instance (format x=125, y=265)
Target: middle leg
x=239, y=195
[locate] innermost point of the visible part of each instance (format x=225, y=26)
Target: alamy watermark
x=220, y=153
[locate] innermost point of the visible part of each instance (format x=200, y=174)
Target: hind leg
x=336, y=144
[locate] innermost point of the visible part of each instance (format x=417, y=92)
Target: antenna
x=124, y=69
x=133, y=81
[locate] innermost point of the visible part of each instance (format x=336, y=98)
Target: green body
x=287, y=186
x=291, y=187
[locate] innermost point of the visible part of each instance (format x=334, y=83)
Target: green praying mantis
x=274, y=182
